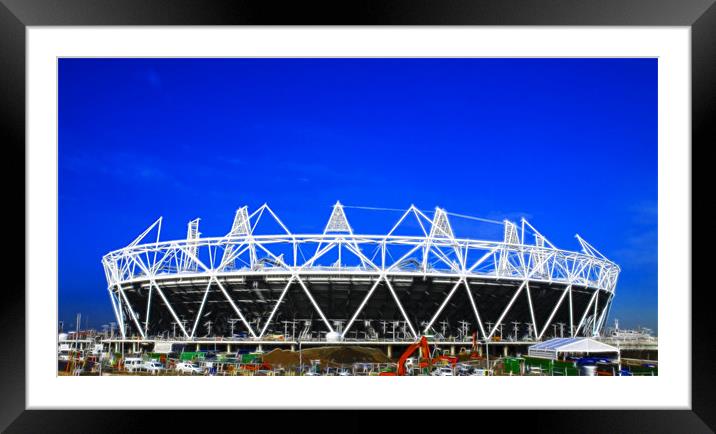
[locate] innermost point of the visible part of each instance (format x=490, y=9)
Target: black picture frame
x=16, y=15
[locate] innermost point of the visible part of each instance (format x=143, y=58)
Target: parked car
x=344, y=373
x=443, y=372
x=188, y=368
x=464, y=370
x=153, y=367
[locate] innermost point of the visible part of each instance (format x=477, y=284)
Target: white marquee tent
x=552, y=348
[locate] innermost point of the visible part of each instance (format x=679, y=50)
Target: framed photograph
x=219, y=209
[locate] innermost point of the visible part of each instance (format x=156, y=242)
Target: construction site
x=416, y=300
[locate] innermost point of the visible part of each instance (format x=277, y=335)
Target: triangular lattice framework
x=338, y=223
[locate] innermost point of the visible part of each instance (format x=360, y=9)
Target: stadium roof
x=551, y=348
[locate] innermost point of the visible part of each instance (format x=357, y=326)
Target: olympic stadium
x=343, y=285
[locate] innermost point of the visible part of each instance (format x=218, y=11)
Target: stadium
x=261, y=282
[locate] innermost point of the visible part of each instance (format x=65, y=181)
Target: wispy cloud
x=640, y=245
x=645, y=212
x=119, y=165
x=639, y=249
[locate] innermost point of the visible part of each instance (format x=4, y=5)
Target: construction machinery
x=425, y=361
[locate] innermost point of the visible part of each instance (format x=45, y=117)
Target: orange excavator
x=420, y=344
x=424, y=362
x=451, y=360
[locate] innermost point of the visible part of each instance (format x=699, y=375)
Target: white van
x=133, y=364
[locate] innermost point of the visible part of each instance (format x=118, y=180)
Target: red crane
x=474, y=354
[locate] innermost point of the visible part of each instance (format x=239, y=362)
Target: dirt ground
x=329, y=356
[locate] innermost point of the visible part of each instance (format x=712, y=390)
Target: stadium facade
x=417, y=279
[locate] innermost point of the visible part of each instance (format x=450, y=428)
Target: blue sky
x=571, y=144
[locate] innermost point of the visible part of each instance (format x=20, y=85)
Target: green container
x=513, y=365
x=643, y=370
x=186, y=356
x=250, y=358
x=544, y=364
x=191, y=355
x=564, y=368
x=558, y=364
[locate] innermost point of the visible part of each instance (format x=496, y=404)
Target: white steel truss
x=433, y=252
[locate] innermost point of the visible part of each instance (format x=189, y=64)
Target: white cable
x=374, y=208
x=473, y=218
x=402, y=210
